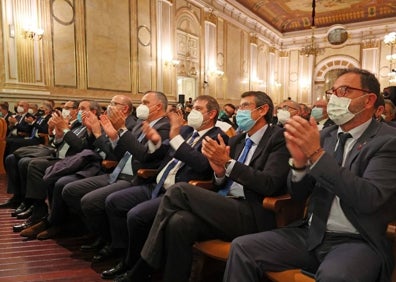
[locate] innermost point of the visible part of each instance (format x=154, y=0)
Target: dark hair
x=4, y=105
x=390, y=93
x=212, y=104
x=368, y=81
x=230, y=105
x=380, y=101
x=261, y=98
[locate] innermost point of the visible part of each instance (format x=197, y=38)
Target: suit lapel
x=367, y=135
x=262, y=144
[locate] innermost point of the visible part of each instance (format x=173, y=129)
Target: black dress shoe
x=97, y=245
x=127, y=277
x=12, y=203
x=29, y=222
x=21, y=208
x=105, y=253
x=26, y=213
x=115, y=271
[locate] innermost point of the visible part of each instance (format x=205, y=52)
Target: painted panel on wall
x=108, y=44
x=233, y=62
x=64, y=44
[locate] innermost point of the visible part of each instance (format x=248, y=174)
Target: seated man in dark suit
x=68, y=141
x=253, y=166
x=17, y=167
x=131, y=211
x=348, y=172
x=139, y=153
x=39, y=123
x=53, y=224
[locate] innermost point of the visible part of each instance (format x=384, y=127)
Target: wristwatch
x=291, y=164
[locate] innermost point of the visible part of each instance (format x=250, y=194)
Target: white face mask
x=65, y=113
x=142, y=112
x=30, y=111
x=195, y=119
x=283, y=116
x=338, y=109
x=20, y=109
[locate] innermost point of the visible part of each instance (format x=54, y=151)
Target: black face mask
x=40, y=112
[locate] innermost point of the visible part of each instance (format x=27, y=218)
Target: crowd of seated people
x=339, y=153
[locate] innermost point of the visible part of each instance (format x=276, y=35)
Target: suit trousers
x=131, y=213
x=87, y=198
x=188, y=214
x=36, y=187
x=59, y=211
x=277, y=250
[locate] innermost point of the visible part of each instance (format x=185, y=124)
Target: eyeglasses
x=343, y=90
x=116, y=104
x=245, y=105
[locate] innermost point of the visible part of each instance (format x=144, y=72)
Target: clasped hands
x=302, y=140
x=217, y=152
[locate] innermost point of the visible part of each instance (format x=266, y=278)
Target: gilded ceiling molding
x=210, y=17
x=253, y=39
x=370, y=43
x=283, y=54
x=272, y=49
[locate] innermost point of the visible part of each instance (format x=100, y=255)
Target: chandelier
x=312, y=48
x=390, y=39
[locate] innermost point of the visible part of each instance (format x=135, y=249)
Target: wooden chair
x=286, y=210
x=3, y=135
x=45, y=137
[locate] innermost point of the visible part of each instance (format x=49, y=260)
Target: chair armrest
x=147, y=173
x=206, y=184
x=285, y=208
x=391, y=230
x=108, y=164
x=45, y=138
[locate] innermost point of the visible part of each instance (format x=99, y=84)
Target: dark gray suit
x=87, y=196
x=187, y=214
x=367, y=192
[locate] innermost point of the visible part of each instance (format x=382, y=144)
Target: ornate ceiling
x=293, y=15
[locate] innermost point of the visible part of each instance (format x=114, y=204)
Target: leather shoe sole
x=49, y=233
x=96, y=245
x=25, y=214
x=105, y=253
x=21, y=208
x=32, y=231
x=23, y=226
x=114, y=271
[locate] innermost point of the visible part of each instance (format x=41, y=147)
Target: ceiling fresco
x=293, y=15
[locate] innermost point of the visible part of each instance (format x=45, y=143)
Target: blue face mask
x=317, y=113
x=244, y=119
x=79, y=116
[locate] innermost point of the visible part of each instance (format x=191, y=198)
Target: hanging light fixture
x=312, y=49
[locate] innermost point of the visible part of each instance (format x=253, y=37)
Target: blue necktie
x=241, y=159
x=170, y=166
x=323, y=203
x=35, y=129
x=114, y=175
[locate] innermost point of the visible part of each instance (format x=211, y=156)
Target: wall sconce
x=32, y=32
x=171, y=62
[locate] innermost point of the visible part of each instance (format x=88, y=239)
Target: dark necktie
x=324, y=201
x=241, y=159
x=116, y=172
x=170, y=166
x=35, y=128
